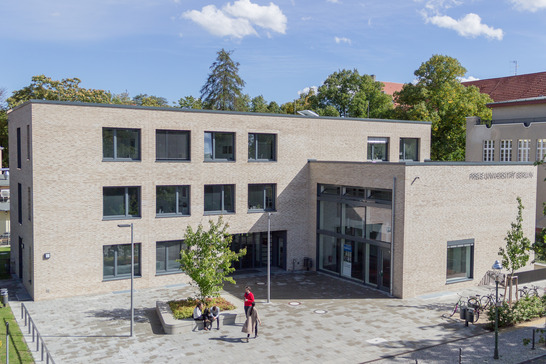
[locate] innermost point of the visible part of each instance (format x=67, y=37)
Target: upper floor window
x=524, y=148
x=488, y=150
x=261, y=147
x=121, y=202
x=378, y=149
x=18, y=147
x=409, y=149
x=172, y=145
x=121, y=144
x=166, y=255
x=541, y=149
x=116, y=261
x=219, y=198
x=219, y=146
x=506, y=150
x=172, y=200
x=261, y=197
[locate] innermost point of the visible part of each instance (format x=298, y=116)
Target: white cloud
x=342, y=40
x=530, y=5
x=238, y=19
x=333, y=1
x=469, y=26
x=468, y=79
x=306, y=90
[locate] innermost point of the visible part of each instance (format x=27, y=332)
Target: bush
x=183, y=309
x=525, y=309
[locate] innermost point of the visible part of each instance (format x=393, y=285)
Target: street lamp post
x=497, y=267
x=132, y=275
x=269, y=257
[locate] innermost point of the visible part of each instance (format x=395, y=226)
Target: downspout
x=392, y=229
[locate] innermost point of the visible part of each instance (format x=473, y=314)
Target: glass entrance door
x=378, y=263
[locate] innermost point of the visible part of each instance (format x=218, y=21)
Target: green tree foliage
x=68, y=89
x=208, y=257
x=154, y=101
x=224, y=85
x=516, y=253
x=438, y=96
x=258, y=104
x=190, y=102
x=352, y=95
x=273, y=108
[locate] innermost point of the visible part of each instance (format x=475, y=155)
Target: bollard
x=533, y=347
x=7, y=342
x=460, y=355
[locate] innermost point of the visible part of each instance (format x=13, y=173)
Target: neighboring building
x=4, y=203
x=354, y=196
x=391, y=87
x=512, y=87
x=516, y=133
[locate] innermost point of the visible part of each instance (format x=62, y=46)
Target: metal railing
x=36, y=337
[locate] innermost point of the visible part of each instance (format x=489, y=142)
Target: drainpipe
x=392, y=231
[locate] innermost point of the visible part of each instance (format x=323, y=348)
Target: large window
x=173, y=145
x=120, y=144
x=219, y=198
x=378, y=149
x=460, y=260
x=172, y=200
x=121, y=202
x=219, y=146
x=18, y=147
x=541, y=149
x=409, y=149
x=488, y=150
x=524, y=148
x=261, y=197
x=506, y=150
x=166, y=254
x=117, y=261
x=261, y=147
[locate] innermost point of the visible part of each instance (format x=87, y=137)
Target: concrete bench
x=172, y=326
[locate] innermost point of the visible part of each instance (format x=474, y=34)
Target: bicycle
x=474, y=302
x=528, y=291
x=460, y=303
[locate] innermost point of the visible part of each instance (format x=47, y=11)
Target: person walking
x=252, y=321
x=249, y=299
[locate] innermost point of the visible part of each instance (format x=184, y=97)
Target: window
x=219, y=146
x=541, y=149
x=19, y=203
x=409, y=149
x=173, y=145
x=506, y=150
x=460, y=260
x=166, y=254
x=488, y=150
x=219, y=198
x=172, y=200
x=121, y=202
x=524, y=147
x=261, y=197
x=378, y=149
x=261, y=147
x=121, y=144
x=18, y=147
x=28, y=142
x=29, y=200
x=117, y=261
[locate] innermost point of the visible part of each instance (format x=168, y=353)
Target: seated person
x=198, y=315
x=215, y=316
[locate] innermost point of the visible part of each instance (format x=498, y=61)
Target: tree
x=439, y=97
x=153, y=101
x=258, y=104
x=516, y=253
x=208, y=257
x=353, y=95
x=224, y=86
x=68, y=89
x=190, y=102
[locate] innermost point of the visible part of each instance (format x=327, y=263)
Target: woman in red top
x=249, y=299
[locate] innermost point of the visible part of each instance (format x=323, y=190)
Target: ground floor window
x=117, y=261
x=166, y=255
x=460, y=260
x=256, y=249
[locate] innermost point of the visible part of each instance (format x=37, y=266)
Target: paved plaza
x=311, y=318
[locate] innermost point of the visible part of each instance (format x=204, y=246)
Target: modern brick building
x=354, y=196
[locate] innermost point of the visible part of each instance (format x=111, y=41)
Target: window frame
x=524, y=150
x=213, y=157
x=541, y=149
x=178, y=192
x=402, y=151
x=168, y=132
x=126, y=202
x=115, y=158
x=137, y=264
x=371, y=148
x=256, y=144
x=264, y=202
x=458, y=244
x=488, y=150
x=223, y=192
x=165, y=245
x=506, y=150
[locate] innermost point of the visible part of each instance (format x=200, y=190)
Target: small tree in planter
x=208, y=257
x=516, y=253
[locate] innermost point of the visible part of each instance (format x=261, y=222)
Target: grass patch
x=5, y=248
x=18, y=349
x=183, y=309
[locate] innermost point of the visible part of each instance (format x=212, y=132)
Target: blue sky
x=165, y=47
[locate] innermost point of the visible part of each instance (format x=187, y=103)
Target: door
x=385, y=272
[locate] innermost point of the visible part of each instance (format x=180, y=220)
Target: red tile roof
x=392, y=87
x=512, y=87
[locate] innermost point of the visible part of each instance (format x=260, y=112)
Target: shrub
x=183, y=309
x=525, y=309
